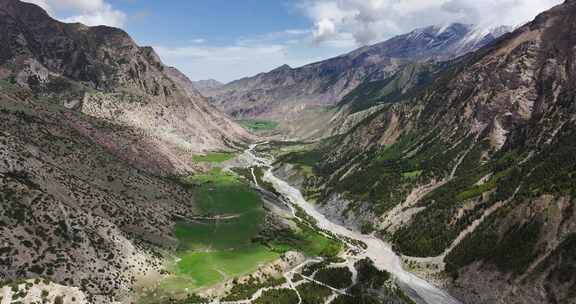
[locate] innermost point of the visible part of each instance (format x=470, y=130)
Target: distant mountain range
x=456, y=146
x=204, y=85
x=285, y=92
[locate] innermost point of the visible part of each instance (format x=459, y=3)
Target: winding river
x=377, y=250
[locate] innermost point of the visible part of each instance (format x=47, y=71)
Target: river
x=377, y=250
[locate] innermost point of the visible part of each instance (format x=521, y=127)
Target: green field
x=214, y=250
x=258, y=125
x=214, y=157
x=199, y=269
x=211, y=251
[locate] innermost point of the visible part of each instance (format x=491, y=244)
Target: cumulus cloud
x=367, y=21
x=105, y=15
x=41, y=3
x=89, y=12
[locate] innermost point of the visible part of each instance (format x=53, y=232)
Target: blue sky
x=229, y=39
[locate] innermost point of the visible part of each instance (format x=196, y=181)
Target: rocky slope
x=285, y=93
x=92, y=127
x=206, y=85
x=471, y=175
x=101, y=72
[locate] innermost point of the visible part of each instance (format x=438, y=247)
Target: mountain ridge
x=94, y=131
x=472, y=176
x=106, y=68
x=285, y=94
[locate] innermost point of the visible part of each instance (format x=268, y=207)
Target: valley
x=220, y=246
x=435, y=167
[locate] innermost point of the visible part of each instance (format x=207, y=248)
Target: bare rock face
x=285, y=93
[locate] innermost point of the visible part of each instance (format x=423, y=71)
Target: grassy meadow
x=211, y=251
x=255, y=125
x=214, y=157
x=214, y=250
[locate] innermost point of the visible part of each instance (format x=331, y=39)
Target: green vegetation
x=412, y=174
x=278, y=296
x=306, y=240
x=190, y=299
x=214, y=157
x=369, y=275
x=310, y=269
x=433, y=229
x=313, y=293
x=280, y=148
x=374, y=286
x=562, y=263
x=255, y=125
x=209, y=268
x=307, y=160
x=553, y=170
x=386, y=175
x=228, y=239
x=306, y=163
x=338, y=278
x=259, y=173
x=550, y=172
x=393, y=89
x=213, y=249
x=511, y=253
x=246, y=290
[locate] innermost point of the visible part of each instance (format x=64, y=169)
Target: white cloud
x=80, y=5
x=199, y=40
x=89, y=12
x=246, y=57
x=224, y=63
x=102, y=16
x=41, y=3
x=368, y=21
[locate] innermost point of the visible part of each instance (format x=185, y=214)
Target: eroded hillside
x=93, y=127
x=472, y=176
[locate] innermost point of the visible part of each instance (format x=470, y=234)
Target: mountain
x=206, y=85
x=101, y=72
x=92, y=130
x=472, y=174
x=284, y=93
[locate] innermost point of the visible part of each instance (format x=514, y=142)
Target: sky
x=230, y=39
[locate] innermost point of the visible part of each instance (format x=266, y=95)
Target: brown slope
x=90, y=125
x=101, y=72
x=73, y=212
